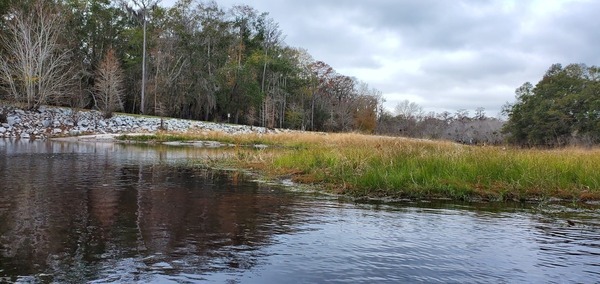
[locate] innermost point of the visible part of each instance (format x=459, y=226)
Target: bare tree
x=480, y=113
x=272, y=37
x=251, y=116
x=305, y=61
x=168, y=68
x=109, y=84
x=408, y=110
x=36, y=68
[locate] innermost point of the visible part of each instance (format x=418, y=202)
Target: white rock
x=50, y=120
x=84, y=123
x=12, y=120
x=118, y=121
x=2, y=130
x=25, y=135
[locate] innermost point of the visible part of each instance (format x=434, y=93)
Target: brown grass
x=365, y=165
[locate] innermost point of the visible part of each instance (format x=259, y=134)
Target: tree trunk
x=143, y=65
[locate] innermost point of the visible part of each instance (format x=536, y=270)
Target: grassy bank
x=362, y=165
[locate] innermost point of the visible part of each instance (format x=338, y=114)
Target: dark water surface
x=110, y=213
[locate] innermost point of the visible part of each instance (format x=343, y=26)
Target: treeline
x=410, y=120
x=563, y=108
x=194, y=60
x=198, y=60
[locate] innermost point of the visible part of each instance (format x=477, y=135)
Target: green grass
x=362, y=165
x=422, y=169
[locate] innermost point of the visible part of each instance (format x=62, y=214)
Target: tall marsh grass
x=363, y=165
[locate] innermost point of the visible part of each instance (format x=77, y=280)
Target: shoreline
x=49, y=122
x=388, y=168
x=113, y=137
x=371, y=167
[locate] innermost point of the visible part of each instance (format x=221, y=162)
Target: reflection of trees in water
x=73, y=215
x=51, y=221
x=205, y=217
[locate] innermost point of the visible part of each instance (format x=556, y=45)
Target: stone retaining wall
x=47, y=122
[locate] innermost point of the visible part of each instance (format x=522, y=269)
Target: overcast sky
x=441, y=54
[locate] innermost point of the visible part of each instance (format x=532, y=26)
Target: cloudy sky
x=441, y=54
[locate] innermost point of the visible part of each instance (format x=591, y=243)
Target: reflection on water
x=113, y=213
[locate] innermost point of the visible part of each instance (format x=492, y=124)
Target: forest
x=198, y=60
x=193, y=60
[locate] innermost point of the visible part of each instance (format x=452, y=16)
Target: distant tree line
x=201, y=61
x=563, y=108
x=410, y=120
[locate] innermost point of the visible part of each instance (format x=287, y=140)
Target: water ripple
x=114, y=214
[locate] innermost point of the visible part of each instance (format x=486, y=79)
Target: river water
x=117, y=213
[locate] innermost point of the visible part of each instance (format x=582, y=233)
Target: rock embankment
x=48, y=122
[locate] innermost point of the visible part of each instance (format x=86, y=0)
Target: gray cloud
x=445, y=55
